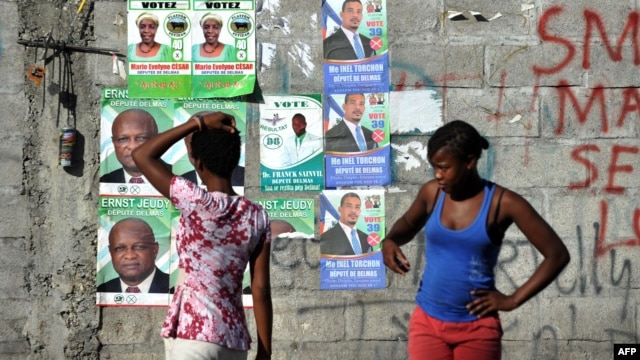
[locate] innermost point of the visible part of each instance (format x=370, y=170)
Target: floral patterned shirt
x=216, y=235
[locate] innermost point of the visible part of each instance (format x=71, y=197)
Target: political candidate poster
x=355, y=46
x=134, y=251
x=158, y=51
x=193, y=48
x=291, y=145
x=352, y=224
x=291, y=218
x=178, y=156
x=223, y=50
x=357, y=140
x=125, y=123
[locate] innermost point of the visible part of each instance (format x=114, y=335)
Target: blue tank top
x=457, y=261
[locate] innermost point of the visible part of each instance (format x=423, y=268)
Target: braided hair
x=459, y=138
x=218, y=150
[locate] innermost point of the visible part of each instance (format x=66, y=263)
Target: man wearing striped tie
x=344, y=238
x=347, y=43
x=348, y=135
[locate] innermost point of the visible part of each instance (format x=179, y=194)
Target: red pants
x=432, y=339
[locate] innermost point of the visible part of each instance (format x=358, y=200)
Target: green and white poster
x=291, y=143
x=223, y=53
x=184, y=108
x=136, y=265
x=191, y=49
x=125, y=124
x=292, y=220
x=158, y=51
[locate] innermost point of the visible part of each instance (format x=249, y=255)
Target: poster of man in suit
x=125, y=124
x=355, y=47
x=357, y=141
x=350, y=256
x=136, y=261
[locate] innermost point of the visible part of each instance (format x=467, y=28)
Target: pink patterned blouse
x=216, y=236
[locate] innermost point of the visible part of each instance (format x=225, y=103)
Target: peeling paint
x=300, y=53
x=516, y=118
x=415, y=112
x=296, y=235
x=413, y=155
x=271, y=5
x=395, y=190
x=273, y=21
x=526, y=7
x=267, y=55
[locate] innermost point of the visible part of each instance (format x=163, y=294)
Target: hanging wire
x=47, y=40
x=62, y=51
x=61, y=86
x=70, y=91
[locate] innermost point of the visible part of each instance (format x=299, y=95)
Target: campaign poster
x=158, y=50
x=126, y=123
x=291, y=218
x=295, y=213
x=184, y=109
x=355, y=46
x=352, y=224
x=223, y=50
x=357, y=140
x=134, y=256
x=291, y=145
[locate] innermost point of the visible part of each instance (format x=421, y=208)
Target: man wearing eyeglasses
x=130, y=129
x=133, y=249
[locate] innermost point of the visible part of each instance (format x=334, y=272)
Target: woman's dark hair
x=219, y=150
x=460, y=138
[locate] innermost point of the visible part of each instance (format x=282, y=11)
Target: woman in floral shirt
x=219, y=233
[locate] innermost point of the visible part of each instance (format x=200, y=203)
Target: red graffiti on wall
x=597, y=96
x=592, y=20
x=590, y=104
x=578, y=155
x=616, y=166
x=596, y=103
x=602, y=246
x=598, y=93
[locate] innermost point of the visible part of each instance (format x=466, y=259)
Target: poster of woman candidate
x=355, y=46
x=291, y=156
x=158, y=51
x=352, y=223
x=223, y=50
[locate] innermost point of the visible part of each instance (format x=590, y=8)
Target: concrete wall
x=567, y=68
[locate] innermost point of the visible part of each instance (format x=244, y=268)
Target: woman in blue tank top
x=465, y=218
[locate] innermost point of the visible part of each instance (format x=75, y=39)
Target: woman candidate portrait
x=148, y=49
x=212, y=49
